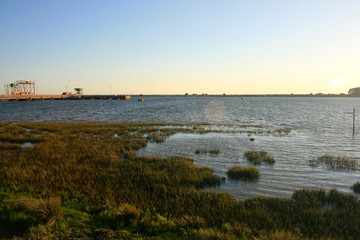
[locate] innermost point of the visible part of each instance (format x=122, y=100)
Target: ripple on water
x=320, y=126
x=290, y=172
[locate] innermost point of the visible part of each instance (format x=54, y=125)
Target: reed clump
x=356, y=187
x=335, y=163
x=205, y=151
x=47, y=211
x=214, y=151
x=258, y=157
x=244, y=173
x=201, y=151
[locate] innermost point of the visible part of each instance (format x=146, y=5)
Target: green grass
x=258, y=157
x=244, y=173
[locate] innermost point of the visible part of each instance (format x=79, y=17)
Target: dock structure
x=101, y=97
x=24, y=90
x=37, y=97
x=20, y=87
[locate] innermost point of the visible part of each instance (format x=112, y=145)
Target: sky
x=181, y=46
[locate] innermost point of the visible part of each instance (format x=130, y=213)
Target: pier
x=37, y=97
x=24, y=91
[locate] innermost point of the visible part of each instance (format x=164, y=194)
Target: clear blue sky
x=194, y=46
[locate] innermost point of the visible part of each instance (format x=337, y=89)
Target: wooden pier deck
x=36, y=97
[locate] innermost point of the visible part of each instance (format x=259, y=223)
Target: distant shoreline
x=244, y=95
x=36, y=97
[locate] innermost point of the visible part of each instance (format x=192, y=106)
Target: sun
x=336, y=83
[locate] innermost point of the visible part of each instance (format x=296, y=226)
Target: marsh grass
x=8, y=145
x=214, y=151
x=201, y=151
x=205, y=151
x=212, y=234
x=356, y=187
x=335, y=163
x=282, y=235
x=192, y=221
x=258, y=157
x=107, y=191
x=243, y=173
x=45, y=211
x=280, y=132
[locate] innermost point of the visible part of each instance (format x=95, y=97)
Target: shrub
x=245, y=173
x=258, y=157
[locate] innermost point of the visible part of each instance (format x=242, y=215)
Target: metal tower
x=79, y=91
x=20, y=87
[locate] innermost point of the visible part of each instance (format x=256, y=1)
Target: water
x=320, y=126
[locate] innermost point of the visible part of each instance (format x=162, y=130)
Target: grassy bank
x=85, y=181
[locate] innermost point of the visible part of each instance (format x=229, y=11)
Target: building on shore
x=354, y=92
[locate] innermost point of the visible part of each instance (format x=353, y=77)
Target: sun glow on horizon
x=337, y=83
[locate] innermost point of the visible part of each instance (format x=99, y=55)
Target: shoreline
x=244, y=95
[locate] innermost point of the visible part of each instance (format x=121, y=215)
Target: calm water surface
x=320, y=126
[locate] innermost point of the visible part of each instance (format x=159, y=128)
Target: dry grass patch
x=46, y=211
